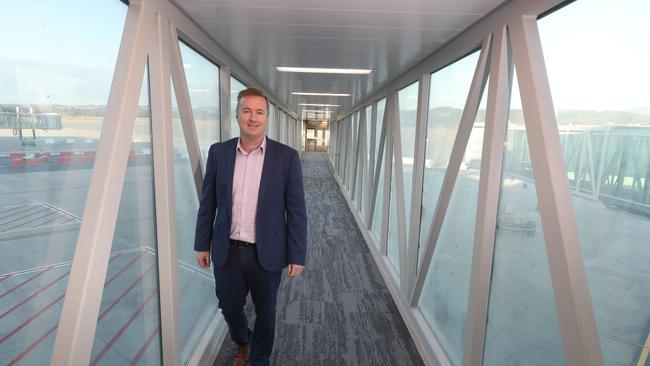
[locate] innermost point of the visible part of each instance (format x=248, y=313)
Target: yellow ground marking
x=644, y=352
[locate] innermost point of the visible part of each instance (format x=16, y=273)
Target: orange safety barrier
x=66, y=158
x=87, y=157
x=35, y=161
x=17, y=159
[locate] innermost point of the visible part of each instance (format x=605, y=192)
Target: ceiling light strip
x=319, y=105
x=320, y=70
x=322, y=94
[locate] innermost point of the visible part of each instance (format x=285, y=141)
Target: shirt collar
x=262, y=147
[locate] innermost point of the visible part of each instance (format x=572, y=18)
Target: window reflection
x=602, y=102
x=54, y=85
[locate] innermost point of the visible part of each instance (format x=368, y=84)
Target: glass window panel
x=271, y=122
x=367, y=191
x=326, y=141
x=289, y=131
x=285, y=128
x=55, y=79
x=197, y=300
x=235, y=87
x=446, y=287
x=522, y=312
x=353, y=148
x=203, y=86
x=447, y=96
x=380, y=122
x=281, y=127
x=128, y=326
x=393, y=238
x=379, y=164
x=408, y=103
x=361, y=156
x=602, y=101
x=408, y=110
x=347, y=148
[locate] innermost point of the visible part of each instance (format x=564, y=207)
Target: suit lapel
x=230, y=171
x=267, y=169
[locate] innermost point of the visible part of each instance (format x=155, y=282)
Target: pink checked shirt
x=245, y=188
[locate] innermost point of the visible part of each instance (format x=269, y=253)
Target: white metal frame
x=418, y=179
x=152, y=27
x=399, y=189
x=224, y=103
x=160, y=20
x=78, y=320
x=488, y=198
x=574, y=308
x=163, y=153
x=572, y=297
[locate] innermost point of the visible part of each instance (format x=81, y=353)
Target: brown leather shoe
x=241, y=355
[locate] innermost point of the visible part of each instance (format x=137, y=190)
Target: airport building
x=476, y=173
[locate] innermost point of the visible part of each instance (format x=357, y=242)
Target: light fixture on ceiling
x=321, y=70
x=319, y=105
x=322, y=94
x=315, y=111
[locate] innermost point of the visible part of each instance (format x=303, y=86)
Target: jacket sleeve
x=296, y=213
x=207, y=205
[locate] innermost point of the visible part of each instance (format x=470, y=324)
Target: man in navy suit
x=253, y=186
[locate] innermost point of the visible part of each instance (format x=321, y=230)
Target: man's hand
x=203, y=258
x=295, y=270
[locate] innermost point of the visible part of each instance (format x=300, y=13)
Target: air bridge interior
x=476, y=173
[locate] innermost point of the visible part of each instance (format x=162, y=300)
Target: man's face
x=251, y=116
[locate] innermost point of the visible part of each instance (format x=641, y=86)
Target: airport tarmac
x=522, y=328
x=40, y=213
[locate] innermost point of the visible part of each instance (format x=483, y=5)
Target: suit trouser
x=240, y=274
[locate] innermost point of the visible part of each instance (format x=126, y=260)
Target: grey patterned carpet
x=339, y=312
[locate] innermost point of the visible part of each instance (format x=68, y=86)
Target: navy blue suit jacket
x=281, y=221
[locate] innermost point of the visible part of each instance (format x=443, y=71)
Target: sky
x=64, y=52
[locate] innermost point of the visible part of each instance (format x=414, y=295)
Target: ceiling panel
x=388, y=37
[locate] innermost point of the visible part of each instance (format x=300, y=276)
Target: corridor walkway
x=339, y=312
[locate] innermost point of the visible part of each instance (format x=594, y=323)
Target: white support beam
x=418, y=177
x=163, y=167
x=357, y=155
x=373, y=139
x=377, y=169
x=224, y=103
x=458, y=151
x=363, y=158
x=566, y=263
x=78, y=321
x=388, y=169
x=498, y=105
x=601, y=165
x=399, y=197
x=179, y=80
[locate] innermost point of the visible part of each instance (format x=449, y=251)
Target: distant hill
x=448, y=116
x=99, y=110
x=640, y=110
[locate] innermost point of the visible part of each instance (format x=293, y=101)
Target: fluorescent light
x=320, y=70
x=323, y=94
x=319, y=105
x=315, y=111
